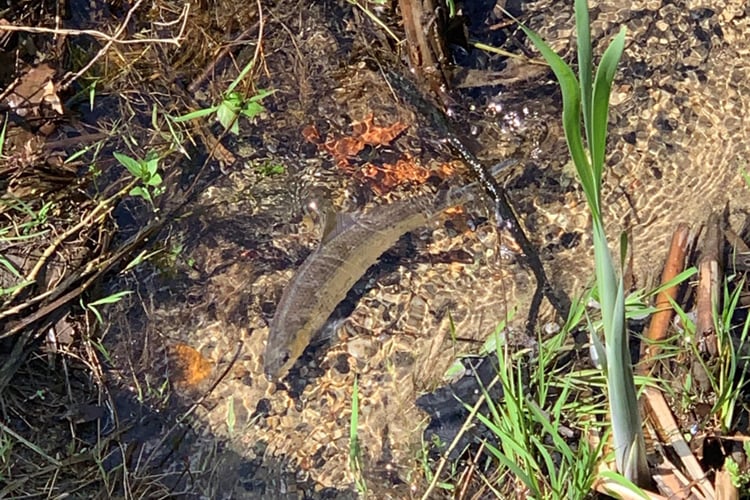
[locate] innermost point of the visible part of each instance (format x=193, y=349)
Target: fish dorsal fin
x=334, y=224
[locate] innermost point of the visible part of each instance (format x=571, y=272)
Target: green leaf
x=261, y=94
x=605, y=74
x=510, y=464
x=10, y=267
x=454, y=370
x=248, y=67
x=111, y=299
x=196, y=114
x=152, y=163
x=98, y=315
x=585, y=72
x=133, y=166
x=623, y=481
x=227, y=115
x=92, y=94
x=154, y=180
x=253, y=109
x=143, y=193
x=571, y=95
x=234, y=101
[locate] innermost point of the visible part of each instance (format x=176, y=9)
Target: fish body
x=342, y=258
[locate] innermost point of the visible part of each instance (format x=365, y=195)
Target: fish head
x=276, y=364
x=282, y=351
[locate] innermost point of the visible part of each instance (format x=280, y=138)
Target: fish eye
x=312, y=206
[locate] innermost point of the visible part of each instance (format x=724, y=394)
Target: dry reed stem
x=657, y=328
x=666, y=428
x=707, y=295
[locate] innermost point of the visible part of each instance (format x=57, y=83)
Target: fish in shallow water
x=340, y=261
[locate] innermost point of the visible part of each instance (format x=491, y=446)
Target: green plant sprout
x=589, y=95
x=111, y=299
x=528, y=425
x=728, y=371
x=145, y=170
x=355, y=451
x=740, y=479
x=231, y=417
x=232, y=105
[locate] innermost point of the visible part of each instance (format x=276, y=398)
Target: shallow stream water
x=679, y=140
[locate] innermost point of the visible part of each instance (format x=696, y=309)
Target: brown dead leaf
x=32, y=90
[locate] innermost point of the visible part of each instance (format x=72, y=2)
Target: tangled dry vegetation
x=80, y=85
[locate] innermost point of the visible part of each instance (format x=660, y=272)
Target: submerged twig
x=503, y=207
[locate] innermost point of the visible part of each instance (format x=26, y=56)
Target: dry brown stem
x=707, y=295
x=657, y=329
x=663, y=422
x=101, y=35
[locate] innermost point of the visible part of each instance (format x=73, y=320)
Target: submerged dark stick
x=503, y=209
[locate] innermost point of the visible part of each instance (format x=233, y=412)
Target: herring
x=341, y=259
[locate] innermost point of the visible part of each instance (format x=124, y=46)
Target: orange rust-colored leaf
x=344, y=147
x=371, y=134
x=311, y=134
x=192, y=367
x=408, y=170
x=457, y=210
x=385, y=178
x=446, y=170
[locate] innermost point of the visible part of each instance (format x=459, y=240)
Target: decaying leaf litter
x=202, y=303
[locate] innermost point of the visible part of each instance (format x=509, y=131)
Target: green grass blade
x=195, y=114
x=510, y=465
x=630, y=449
x=111, y=299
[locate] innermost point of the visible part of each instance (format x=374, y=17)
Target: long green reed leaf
x=605, y=74
x=571, y=95
x=583, y=32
